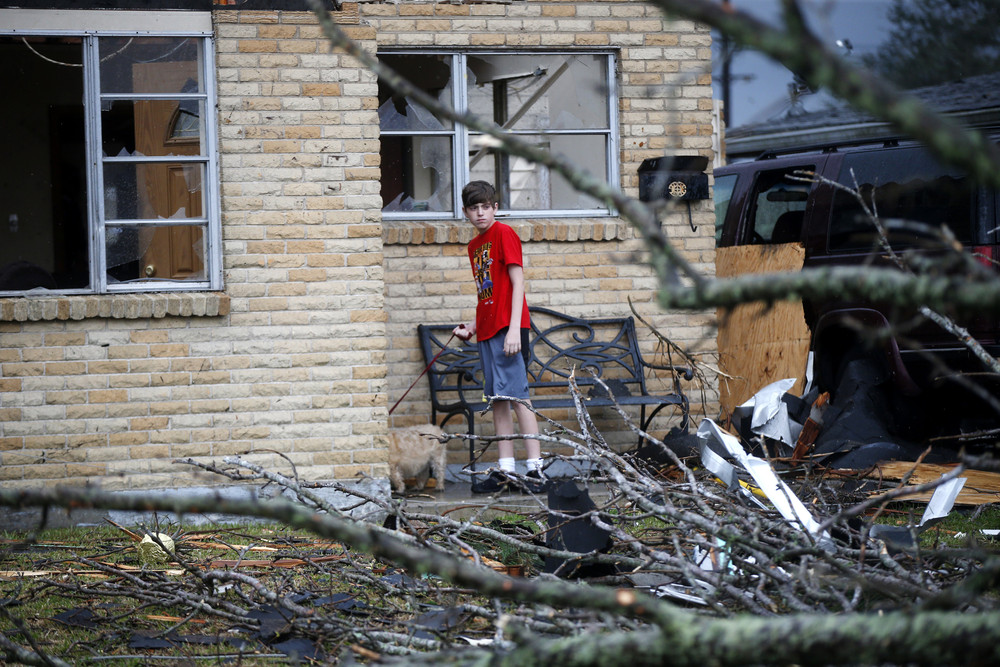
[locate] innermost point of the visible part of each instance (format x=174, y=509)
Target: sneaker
x=495, y=482
x=534, y=482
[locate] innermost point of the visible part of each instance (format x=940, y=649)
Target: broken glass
x=149, y=191
x=416, y=173
x=146, y=252
x=527, y=186
x=540, y=92
x=430, y=73
x=152, y=127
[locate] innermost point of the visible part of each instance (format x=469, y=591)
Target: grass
x=60, y=570
x=961, y=528
x=46, y=575
x=84, y=595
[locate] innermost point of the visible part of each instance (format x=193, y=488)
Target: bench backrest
x=558, y=344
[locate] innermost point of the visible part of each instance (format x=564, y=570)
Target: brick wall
x=320, y=297
x=586, y=267
x=111, y=389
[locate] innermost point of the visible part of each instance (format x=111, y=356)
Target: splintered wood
x=760, y=343
x=982, y=487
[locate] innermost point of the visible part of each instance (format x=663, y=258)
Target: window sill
x=430, y=232
x=113, y=306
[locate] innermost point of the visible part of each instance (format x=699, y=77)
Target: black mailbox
x=676, y=177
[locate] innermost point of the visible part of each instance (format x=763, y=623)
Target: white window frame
x=460, y=133
x=90, y=25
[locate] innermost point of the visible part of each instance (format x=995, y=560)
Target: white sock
x=507, y=465
x=534, y=464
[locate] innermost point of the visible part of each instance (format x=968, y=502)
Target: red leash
x=443, y=348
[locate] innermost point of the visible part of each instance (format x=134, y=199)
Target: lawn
x=275, y=594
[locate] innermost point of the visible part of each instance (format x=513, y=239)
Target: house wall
x=289, y=363
x=111, y=390
x=588, y=267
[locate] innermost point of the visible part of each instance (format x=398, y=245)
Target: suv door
x=913, y=195
x=770, y=201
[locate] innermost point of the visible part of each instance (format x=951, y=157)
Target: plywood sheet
x=760, y=343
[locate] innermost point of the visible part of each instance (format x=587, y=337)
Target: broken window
x=112, y=188
x=563, y=103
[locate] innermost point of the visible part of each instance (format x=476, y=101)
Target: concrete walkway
x=458, y=502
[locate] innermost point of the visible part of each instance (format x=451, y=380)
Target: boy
x=501, y=328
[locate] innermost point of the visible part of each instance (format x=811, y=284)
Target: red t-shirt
x=491, y=254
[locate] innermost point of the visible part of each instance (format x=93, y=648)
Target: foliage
x=937, y=41
x=686, y=567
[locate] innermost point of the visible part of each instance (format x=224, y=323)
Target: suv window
x=907, y=185
x=779, y=204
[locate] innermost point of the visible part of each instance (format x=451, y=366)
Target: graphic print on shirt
x=482, y=262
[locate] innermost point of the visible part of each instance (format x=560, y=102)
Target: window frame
x=100, y=24
x=460, y=133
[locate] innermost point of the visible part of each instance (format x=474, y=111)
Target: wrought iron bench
x=558, y=344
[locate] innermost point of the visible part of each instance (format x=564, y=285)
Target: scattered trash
x=769, y=413
x=439, y=620
x=342, y=602
x=151, y=553
x=574, y=534
x=786, y=502
x=810, y=428
x=78, y=617
x=300, y=650
x=986, y=532
x=903, y=538
x=275, y=622
x=942, y=501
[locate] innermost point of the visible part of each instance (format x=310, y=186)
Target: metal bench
x=558, y=343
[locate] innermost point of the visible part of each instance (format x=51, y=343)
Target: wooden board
x=760, y=343
x=981, y=487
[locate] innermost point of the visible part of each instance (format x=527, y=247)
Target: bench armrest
x=686, y=371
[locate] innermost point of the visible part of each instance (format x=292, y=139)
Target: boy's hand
x=512, y=341
x=463, y=332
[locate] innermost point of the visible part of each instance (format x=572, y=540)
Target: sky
x=759, y=89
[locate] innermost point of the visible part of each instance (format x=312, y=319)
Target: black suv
x=762, y=202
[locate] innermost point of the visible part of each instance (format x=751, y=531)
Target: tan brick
x=559, y=10
x=416, y=9
x=23, y=370
x=106, y=367
x=148, y=423
x=127, y=351
x=321, y=89
x=169, y=379
x=169, y=350
x=258, y=46
x=85, y=470
x=64, y=339
x=277, y=31
x=8, y=473
x=591, y=39
x=149, y=337
x=53, y=471
x=11, y=443
x=128, y=438
x=283, y=146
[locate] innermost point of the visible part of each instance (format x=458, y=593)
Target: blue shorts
x=504, y=375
